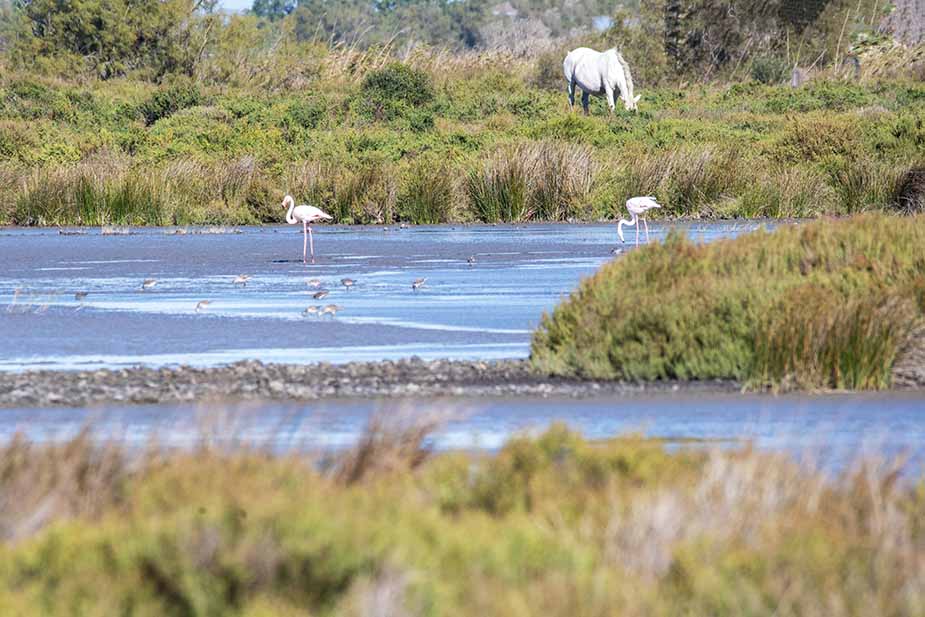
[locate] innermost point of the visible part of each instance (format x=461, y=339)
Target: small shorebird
x=418, y=283
x=148, y=283
x=330, y=309
x=313, y=283
x=311, y=310
x=242, y=279
x=80, y=296
x=348, y=283
x=319, y=295
x=637, y=206
x=202, y=304
x=471, y=260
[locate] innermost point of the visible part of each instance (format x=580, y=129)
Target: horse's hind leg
x=585, y=97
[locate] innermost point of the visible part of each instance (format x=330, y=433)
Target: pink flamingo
x=638, y=206
x=307, y=215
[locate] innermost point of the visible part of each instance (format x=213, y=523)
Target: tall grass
x=551, y=525
x=534, y=180
x=830, y=304
x=431, y=194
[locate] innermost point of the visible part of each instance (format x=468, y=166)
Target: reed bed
x=549, y=525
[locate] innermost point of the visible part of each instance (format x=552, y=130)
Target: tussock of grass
x=539, y=180
x=828, y=304
x=552, y=525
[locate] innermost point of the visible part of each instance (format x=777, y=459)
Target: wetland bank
x=148, y=289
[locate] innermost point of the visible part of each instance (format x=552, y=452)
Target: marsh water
x=484, y=309
x=831, y=432
x=481, y=310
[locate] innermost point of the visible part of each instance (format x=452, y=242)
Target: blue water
x=484, y=310
x=831, y=432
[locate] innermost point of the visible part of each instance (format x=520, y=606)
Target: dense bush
x=828, y=304
x=391, y=91
x=169, y=100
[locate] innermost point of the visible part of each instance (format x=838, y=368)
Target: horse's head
x=630, y=103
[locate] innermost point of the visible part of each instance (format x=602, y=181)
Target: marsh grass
x=226, y=155
x=551, y=524
x=829, y=304
x=541, y=180
x=431, y=193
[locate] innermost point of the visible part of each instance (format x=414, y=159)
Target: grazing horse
x=598, y=74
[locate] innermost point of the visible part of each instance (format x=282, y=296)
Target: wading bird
x=331, y=310
x=202, y=304
x=80, y=296
x=306, y=215
x=148, y=283
x=313, y=283
x=471, y=260
x=242, y=279
x=311, y=310
x=348, y=283
x=637, y=206
x=418, y=283
x=318, y=295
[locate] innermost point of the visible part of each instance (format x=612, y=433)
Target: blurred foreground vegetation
x=551, y=525
x=185, y=116
x=827, y=304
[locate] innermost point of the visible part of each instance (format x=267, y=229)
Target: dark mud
x=253, y=380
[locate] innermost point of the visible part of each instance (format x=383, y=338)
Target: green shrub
x=395, y=90
x=805, y=306
x=769, y=69
x=169, y=100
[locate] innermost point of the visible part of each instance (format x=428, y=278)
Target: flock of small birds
x=314, y=310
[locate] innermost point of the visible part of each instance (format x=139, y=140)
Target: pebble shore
x=254, y=380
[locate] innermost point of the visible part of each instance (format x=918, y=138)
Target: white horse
x=598, y=74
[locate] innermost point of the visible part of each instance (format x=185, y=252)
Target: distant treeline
x=151, y=39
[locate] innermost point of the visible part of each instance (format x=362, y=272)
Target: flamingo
x=306, y=215
x=637, y=206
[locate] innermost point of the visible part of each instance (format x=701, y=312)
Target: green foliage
x=396, y=91
x=430, y=193
x=169, y=100
x=825, y=305
x=108, y=38
x=769, y=69
x=551, y=525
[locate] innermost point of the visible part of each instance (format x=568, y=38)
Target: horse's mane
x=626, y=70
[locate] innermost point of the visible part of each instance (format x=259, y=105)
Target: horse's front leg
x=585, y=98
x=571, y=94
x=609, y=91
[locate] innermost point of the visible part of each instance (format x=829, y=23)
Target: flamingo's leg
x=304, y=241
x=636, y=220
x=644, y=222
x=311, y=243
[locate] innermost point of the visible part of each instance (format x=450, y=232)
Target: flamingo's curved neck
x=630, y=222
x=289, y=218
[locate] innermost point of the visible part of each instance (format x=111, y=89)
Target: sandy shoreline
x=254, y=380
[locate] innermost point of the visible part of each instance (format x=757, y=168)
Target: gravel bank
x=254, y=380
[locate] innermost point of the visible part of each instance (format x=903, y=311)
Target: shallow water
x=485, y=310
x=829, y=431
